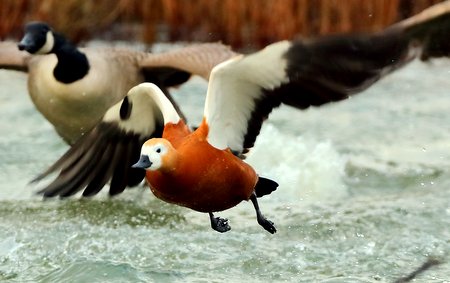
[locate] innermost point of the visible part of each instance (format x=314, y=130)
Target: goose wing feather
x=11, y=58
x=198, y=59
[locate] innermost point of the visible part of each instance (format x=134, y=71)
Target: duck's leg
x=219, y=224
x=265, y=223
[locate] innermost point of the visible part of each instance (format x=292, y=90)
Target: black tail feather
x=265, y=186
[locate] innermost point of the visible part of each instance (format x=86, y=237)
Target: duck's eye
x=158, y=150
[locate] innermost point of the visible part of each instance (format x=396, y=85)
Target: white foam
x=306, y=169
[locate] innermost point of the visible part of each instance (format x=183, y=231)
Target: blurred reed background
x=249, y=23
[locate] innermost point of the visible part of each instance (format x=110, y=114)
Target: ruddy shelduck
x=184, y=168
x=202, y=169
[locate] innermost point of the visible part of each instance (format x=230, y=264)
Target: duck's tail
x=265, y=186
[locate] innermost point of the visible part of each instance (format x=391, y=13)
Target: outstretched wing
x=11, y=58
x=197, y=59
x=311, y=72
x=107, y=152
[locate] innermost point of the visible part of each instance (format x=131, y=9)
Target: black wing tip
x=46, y=194
x=115, y=151
x=36, y=179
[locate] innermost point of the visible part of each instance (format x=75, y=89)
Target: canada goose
x=74, y=87
x=243, y=91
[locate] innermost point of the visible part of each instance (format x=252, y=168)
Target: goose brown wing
x=107, y=152
x=197, y=59
x=11, y=58
x=175, y=67
x=312, y=72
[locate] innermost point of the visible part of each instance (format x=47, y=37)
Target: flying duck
x=74, y=87
x=195, y=169
x=203, y=169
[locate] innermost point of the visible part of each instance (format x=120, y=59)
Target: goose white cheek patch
x=49, y=43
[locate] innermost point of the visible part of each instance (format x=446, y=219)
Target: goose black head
x=38, y=38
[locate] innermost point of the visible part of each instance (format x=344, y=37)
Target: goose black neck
x=72, y=64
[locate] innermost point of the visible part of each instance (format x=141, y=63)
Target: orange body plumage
x=205, y=179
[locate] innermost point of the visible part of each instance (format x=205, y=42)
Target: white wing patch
x=149, y=106
x=234, y=88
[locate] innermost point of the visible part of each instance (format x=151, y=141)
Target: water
x=364, y=197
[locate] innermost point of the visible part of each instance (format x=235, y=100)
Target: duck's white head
x=157, y=154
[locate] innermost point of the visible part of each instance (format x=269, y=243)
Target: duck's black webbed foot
x=219, y=224
x=265, y=223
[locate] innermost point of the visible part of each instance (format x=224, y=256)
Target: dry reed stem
x=250, y=23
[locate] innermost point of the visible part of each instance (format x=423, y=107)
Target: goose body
x=201, y=170
x=75, y=108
